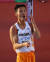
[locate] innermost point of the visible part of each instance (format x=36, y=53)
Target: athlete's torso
x=24, y=35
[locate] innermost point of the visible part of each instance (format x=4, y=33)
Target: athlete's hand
x=27, y=44
x=32, y=20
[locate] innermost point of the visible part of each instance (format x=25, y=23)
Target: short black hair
x=18, y=6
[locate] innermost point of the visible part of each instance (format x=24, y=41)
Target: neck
x=21, y=22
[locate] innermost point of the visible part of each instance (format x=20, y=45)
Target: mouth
x=23, y=16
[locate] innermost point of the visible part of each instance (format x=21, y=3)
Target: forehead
x=21, y=8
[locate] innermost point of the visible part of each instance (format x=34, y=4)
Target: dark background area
x=42, y=19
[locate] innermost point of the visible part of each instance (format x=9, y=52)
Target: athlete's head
x=20, y=12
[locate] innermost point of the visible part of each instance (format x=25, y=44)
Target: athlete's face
x=21, y=13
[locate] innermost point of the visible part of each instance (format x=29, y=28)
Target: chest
x=24, y=34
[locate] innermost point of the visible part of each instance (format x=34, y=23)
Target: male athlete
x=21, y=35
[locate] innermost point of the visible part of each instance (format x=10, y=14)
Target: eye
x=21, y=11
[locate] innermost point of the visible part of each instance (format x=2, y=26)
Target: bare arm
x=35, y=28
x=14, y=38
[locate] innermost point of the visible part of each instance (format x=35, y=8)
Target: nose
x=23, y=13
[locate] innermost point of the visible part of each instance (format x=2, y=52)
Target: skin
x=21, y=15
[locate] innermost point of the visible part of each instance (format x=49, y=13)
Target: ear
x=16, y=14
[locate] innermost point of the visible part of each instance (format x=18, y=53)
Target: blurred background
x=41, y=13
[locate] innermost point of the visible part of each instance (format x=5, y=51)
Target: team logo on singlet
x=24, y=34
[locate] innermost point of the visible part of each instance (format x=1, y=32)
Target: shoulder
x=13, y=28
x=30, y=24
